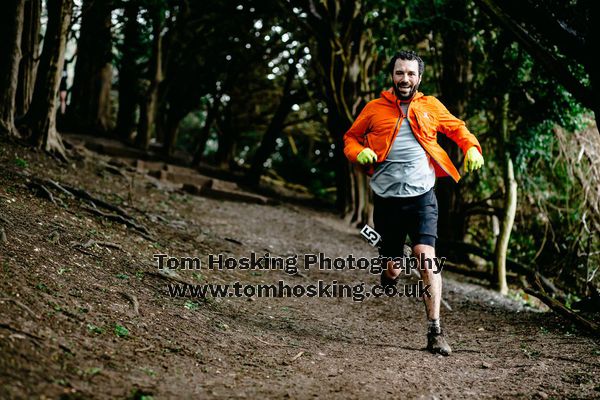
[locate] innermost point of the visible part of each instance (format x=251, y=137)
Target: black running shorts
x=395, y=217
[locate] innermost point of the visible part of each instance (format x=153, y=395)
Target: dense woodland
x=266, y=89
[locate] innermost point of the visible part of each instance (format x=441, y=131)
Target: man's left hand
x=473, y=160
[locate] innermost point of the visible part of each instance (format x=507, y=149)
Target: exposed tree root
x=119, y=218
x=18, y=331
x=556, y=306
x=514, y=266
x=83, y=194
x=134, y=302
x=91, y=242
x=55, y=147
x=119, y=215
x=18, y=303
x=48, y=194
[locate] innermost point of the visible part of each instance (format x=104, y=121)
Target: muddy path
x=85, y=312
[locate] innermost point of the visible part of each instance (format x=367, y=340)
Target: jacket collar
x=390, y=96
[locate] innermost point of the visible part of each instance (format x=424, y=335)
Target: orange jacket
x=379, y=122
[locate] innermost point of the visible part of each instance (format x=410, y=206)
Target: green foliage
x=571, y=298
x=190, y=126
x=21, y=163
x=95, y=329
x=197, y=277
x=520, y=296
x=191, y=305
x=315, y=171
x=121, y=331
x=42, y=286
x=139, y=394
x=90, y=372
x=533, y=147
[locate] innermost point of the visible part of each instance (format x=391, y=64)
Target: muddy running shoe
x=387, y=281
x=437, y=344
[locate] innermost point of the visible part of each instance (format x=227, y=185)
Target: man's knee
x=427, y=250
x=425, y=255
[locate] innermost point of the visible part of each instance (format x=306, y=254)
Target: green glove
x=367, y=156
x=473, y=160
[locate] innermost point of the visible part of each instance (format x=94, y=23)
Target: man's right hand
x=367, y=156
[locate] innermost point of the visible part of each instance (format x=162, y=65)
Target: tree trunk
x=343, y=168
x=268, y=142
x=90, y=107
x=361, y=199
x=510, y=204
x=454, y=87
x=11, y=27
x=226, y=138
x=344, y=61
x=128, y=73
x=148, y=107
x=334, y=78
x=30, y=48
x=161, y=112
x=40, y=120
x=211, y=116
x=171, y=130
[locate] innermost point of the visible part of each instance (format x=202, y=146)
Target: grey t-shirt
x=407, y=171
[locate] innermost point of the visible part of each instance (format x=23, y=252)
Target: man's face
x=406, y=78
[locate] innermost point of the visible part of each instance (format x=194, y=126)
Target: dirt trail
x=68, y=324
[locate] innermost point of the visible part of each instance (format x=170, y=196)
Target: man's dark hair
x=406, y=55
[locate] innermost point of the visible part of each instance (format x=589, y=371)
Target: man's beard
x=409, y=95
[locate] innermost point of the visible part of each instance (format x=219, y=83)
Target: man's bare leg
x=432, y=304
x=436, y=342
